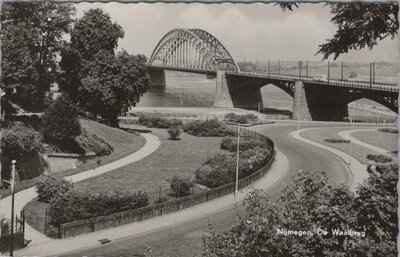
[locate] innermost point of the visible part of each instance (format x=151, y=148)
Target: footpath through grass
x=182, y=157
x=384, y=140
x=320, y=134
x=123, y=143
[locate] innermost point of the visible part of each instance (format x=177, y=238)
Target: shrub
x=221, y=168
x=174, y=132
x=49, y=186
x=353, y=74
x=90, y=141
x=336, y=140
x=19, y=139
x=379, y=158
x=158, y=122
x=245, y=143
x=208, y=128
x=61, y=121
x=180, y=186
x=163, y=199
x=241, y=118
x=389, y=130
x=23, y=144
x=78, y=205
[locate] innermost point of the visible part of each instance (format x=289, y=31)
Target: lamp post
x=12, y=182
x=237, y=160
x=350, y=152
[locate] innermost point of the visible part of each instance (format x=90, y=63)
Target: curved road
x=185, y=239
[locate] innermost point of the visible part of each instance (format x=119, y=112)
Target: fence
x=18, y=236
x=126, y=217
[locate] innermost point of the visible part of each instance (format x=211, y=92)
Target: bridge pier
x=300, y=105
x=222, y=95
x=323, y=103
x=157, y=77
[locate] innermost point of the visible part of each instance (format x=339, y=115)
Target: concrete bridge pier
x=157, y=77
x=300, y=105
x=323, y=103
x=222, y=95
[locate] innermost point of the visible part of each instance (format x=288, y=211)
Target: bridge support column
x=319, y=102
x=222, y=96
x=157, y=77
x=300, y=105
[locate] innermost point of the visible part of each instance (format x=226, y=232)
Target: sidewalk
x=358, y=171
x=278, y=171
x=25, y=196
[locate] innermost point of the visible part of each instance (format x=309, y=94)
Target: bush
x=78, y=205
x=221, y=168
x=23, y=144
x=158, y=122
x=353, y=74
x=174, y=132
x=230, y=143
x=61, y=121
x=90, y=141
x=379, y=158
x=209, y=128
x=389, y=130
x=19, y=139
x=241, y=118
x=336, y=140
x=180, y=186
x=49, y=186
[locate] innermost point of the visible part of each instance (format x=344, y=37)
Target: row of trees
x=36, y=55
x=311, y=203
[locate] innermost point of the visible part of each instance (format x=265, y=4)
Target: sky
x=249, y=31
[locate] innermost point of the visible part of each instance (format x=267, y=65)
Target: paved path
x=55, y=247
x=25, y=196
x=347, y=135
x=358, y=170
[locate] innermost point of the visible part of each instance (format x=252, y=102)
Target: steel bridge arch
x=192, y=48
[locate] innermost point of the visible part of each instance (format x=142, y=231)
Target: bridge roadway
x=185, y=239
x=356, y=84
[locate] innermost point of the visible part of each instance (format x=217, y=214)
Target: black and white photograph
x=199, y=129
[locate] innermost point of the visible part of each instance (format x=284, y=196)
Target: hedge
x=208, y=128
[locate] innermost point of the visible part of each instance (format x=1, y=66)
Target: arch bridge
x=197, y=51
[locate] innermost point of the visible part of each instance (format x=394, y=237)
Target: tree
x=113, y=84
x=32, y=36
x=100, y=81
x=95, y=32
x=359, y=25
x=61, y=121
x=311, y=204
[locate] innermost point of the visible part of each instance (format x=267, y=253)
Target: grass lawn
x=124, y=143
x=383, y=140
x=319, y=135
x=181, y=157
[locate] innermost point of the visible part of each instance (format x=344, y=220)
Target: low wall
x=118, y=219
x=5, y=242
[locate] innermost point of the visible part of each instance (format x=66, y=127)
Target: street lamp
x=237, y=160
x=349, y=152
x=12, y=183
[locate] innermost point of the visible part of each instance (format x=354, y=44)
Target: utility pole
x=328, y=71
x=269, y=67
x=342, y=72
x=237, y=160
x=370, y=75
x=299, y=69
x=373, y=72
x=307, y=68
x=279, y=67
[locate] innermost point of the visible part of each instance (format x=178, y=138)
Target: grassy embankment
x=181, y=157
x=384, y=140
x=123, y=144
x=319, y=135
